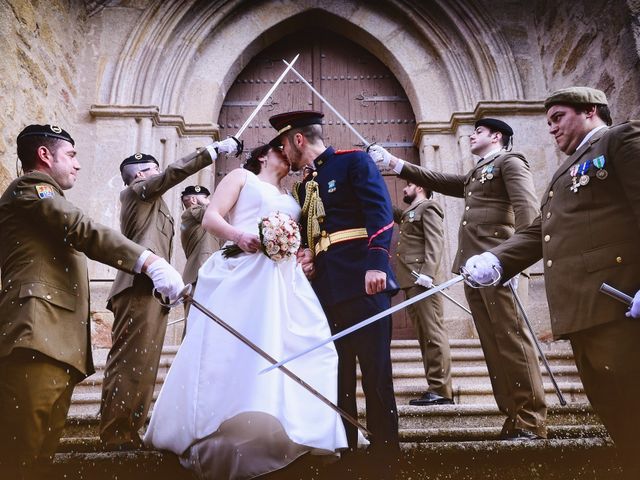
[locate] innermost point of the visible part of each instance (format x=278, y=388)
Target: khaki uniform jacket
x=420, y=242
x=44, y=302
x=145, y=217
x=588, y=237
x=494, y=208
x=198, y=245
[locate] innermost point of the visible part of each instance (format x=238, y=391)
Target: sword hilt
x=468, y=278
x=184, y=294
x=617, y=294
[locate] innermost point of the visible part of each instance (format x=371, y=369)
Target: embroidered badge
x=412, y=216
x=331, y=186
x=44, y=191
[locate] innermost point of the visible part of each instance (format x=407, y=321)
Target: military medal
x=574, y=179
x=599, y=162
x=584, y=178
x=489, y=172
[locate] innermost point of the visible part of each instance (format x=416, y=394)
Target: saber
x=266, y=97
x=186, y=296
x=446, y=295
x=538, y=346
x=326, y=102
x=368, y=321
x=617, y=294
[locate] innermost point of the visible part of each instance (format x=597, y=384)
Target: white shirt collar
x=589, y=135
x=492, y=152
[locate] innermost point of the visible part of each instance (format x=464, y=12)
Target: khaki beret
x=576, y=96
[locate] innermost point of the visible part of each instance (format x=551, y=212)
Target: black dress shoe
x=519, y=434
x=430, y=398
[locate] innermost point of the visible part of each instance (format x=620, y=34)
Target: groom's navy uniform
x=355, y=237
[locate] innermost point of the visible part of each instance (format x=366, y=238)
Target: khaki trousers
x=608, y=361
x=35, y=395
x=138, y=333
x=511, y=359
x=427, y=318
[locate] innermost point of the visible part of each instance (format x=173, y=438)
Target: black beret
x=195, y=190
x=284, y=122
x=496, y=125
x=138, y=158
x=51, y=131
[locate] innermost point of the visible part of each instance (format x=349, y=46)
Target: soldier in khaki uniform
x=139, y=320
x=197, y=243
x=419, y=250
x=44, y=302
x=588, y=233
x=499, y=199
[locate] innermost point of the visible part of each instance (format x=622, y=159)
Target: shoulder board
x=44, y=191
x=342, y=152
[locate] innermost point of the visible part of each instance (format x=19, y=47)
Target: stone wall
x=591, y=43
x=39, y=69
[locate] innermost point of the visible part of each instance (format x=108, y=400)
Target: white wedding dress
x=215, y=411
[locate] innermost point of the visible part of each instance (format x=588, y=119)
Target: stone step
x=440, y=417
x=557, y=458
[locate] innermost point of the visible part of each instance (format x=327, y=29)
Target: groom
x=347, y=223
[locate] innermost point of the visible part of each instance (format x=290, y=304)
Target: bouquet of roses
x=279, y=236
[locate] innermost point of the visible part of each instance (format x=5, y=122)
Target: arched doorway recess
x=356, y=83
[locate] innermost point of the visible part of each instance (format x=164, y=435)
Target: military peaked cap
x=495, y=125
x=283, y=122
x=138, y=158
x=51, y=131
x=576, y=96
x=195, y=190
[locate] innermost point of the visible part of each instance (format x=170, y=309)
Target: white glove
x=380, y=156
x=166, y=279
x=424, y=281
x=634, y=309
x=228, y=146
x=480, y=267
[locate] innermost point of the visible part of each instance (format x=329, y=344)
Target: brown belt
x=328, y=239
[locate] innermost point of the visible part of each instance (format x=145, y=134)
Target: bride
x=215, y=411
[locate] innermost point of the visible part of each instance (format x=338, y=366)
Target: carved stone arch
x=450, y=42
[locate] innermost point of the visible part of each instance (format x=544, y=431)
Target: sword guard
x=468, y=278
x=240, y=144
x=185, y=294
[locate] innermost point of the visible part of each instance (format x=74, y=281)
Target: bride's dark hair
x=253, y=162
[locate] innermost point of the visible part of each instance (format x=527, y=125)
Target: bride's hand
x=247, y=242
x=305, y=258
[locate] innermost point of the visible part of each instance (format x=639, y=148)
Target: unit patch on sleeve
x=44, y=191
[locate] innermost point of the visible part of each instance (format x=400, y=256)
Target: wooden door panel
x=358, y=86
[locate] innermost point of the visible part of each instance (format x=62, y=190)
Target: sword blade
x=537, y=344
x=266, y=97
x=446, y=295
x=189, y=299
x=326, y=102
x=368, y=321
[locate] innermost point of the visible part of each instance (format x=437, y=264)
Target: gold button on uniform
x=48, y=297
x=547, y=238
x=550, y=193
x=467, y=207
x=464, y=222
x=548, y=214
x=469, y=193
x=618, y=259
x=495, y=234
x=119, y=262
x=549, y=263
